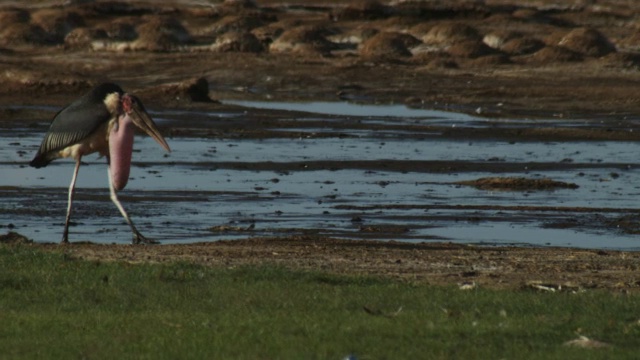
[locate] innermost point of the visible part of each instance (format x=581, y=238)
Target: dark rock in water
x=198, y=90
x=517, y=184
x=194, y=90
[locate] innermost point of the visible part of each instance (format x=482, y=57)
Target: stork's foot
x=140, y=239
x=65, y=239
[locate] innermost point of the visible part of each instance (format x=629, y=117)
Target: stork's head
x=133, y=108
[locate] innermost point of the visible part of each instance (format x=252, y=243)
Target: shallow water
x=225, y=187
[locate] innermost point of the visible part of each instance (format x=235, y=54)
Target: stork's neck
x=112, y=102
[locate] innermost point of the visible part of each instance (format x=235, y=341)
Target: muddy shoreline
x=514, y=268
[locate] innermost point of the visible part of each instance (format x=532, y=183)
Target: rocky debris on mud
x=570, y=57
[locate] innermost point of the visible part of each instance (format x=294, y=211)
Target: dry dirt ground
x=563, y=59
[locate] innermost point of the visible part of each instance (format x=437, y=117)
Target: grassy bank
x=52, y=306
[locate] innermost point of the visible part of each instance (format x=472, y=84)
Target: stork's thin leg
x=137, y=237
x=72, y=190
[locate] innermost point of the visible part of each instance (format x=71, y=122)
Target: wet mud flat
x=253, y=169
x=414, y=123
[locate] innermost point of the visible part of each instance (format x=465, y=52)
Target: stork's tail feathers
x=40, y=161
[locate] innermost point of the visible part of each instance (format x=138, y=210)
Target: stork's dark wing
x=75, y=122
x=70, y=126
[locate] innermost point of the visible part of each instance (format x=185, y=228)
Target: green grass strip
x=52, y=306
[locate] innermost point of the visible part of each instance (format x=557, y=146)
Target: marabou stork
x=100, y=121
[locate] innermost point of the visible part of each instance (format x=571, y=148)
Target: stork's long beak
x=142, y=120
